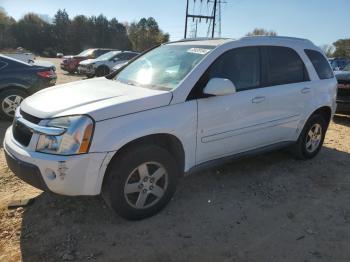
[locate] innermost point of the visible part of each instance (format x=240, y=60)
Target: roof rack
x=199, y=39
x=276, y=37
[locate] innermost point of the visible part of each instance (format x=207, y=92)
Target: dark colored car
x=70, y=63
x=338, y=63
x=343, y=96
x=19, y=80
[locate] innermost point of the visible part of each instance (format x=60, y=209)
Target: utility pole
x=199, y=17
x=218, y=15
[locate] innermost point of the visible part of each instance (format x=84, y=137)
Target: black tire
x=102, y=71
x=10, y=93
x=120, y=171
x=90, y=75
x=301, y=150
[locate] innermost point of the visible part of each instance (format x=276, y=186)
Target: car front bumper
x=84, y=70
x=343, y=106
x=66, y=175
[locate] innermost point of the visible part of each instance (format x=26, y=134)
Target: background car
x=104, y=64
x=116, y=67
x=19, y=80
x=59, y=55
x=25, y=57
x=338, y=64
x=343, y=95
x=70, y=63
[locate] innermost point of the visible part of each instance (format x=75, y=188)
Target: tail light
x=47, y=74
x=344, y=86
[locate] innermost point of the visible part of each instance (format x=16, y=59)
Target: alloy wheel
x=313, y=138
x=146, y=185
x=10, y=104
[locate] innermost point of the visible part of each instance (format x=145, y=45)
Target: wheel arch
x=165, y=140
x=325, y=111
x=14, y=86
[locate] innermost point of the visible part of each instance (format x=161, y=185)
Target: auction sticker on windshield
x=200, y=51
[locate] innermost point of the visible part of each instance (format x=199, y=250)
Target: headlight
x=75, y=140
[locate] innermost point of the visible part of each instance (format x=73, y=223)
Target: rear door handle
x=305, y=90
x=258, y=99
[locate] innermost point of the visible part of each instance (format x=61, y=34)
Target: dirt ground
x=265, y=208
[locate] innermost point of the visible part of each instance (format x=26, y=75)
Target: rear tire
x=141, y=181
x=311, y=138
x=10, y=99
x=102, y=71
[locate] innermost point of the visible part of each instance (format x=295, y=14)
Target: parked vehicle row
x=70, y=63
x=19, y=80
x=174, y=110
x=104, y=64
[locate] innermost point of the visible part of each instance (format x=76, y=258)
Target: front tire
x=311, y=138
x=141, y=181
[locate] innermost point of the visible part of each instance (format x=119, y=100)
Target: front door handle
x=305, y=90
x=258, y=99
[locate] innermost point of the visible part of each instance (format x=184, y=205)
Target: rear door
x=287, y=89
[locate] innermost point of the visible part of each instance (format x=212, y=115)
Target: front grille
x=20, y=132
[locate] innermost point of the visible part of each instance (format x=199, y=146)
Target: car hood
x=99, y=97
x=344, y=75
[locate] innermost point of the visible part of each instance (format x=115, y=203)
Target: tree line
x=72, y=35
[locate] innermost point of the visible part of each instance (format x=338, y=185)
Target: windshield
x=164, y=67
x=86, y=52
x=347, y=67
x=108, y=55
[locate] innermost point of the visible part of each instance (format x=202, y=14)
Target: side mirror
x=219, y=87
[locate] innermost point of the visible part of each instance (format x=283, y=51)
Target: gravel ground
x=265, y=208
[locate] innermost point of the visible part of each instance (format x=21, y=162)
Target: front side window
x=241, y=66
x=108, y=55
x=284, y=66
x=163, y=68
x=321, y=65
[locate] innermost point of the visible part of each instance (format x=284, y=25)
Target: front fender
x=179, y=120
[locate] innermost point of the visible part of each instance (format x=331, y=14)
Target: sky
x=321, y=21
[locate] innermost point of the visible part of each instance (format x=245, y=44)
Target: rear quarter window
x=320, y=63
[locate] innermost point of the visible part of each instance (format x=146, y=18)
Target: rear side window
x=240, y=65
x=284, y=66
x=2, y=64
x=320, y=64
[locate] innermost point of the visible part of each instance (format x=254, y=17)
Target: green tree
x=261, y=31
x=61, y=31
x=342, y=48
x=146, y=34
x=32, y=33
x=6, y=30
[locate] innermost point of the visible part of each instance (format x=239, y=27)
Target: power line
x=197, y=18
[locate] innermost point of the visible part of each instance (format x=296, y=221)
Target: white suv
x=176, y=109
